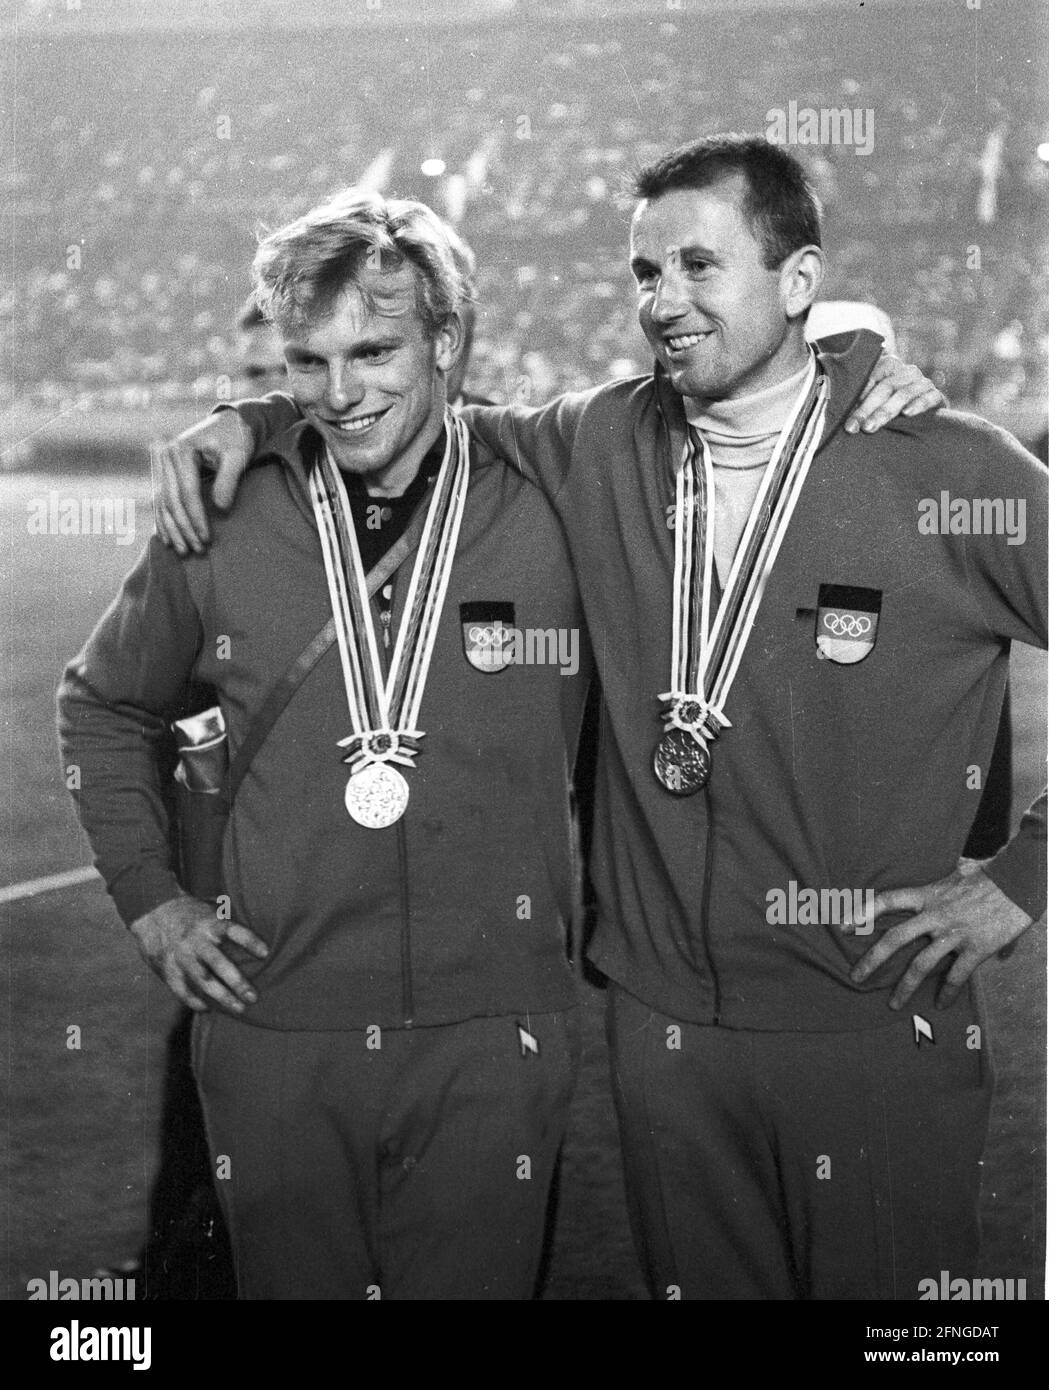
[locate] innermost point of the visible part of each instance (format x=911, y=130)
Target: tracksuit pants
x=416, y=1169
x=772, y=1165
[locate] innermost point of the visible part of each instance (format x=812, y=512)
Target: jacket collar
x=296, y=447
x=295, y=450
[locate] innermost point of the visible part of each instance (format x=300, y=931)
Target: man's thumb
x=226, y=479
x=232, y=458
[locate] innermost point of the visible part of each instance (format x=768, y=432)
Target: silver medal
x=377, y=796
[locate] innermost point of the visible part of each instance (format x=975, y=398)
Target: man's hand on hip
x=182, y=941
x=223, y=444
x=965, y=914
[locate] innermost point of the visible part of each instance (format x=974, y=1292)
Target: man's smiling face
x=370, y=380
x=716, y=317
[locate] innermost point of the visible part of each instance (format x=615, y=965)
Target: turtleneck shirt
x=741, y=434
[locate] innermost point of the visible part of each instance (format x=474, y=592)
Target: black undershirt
x=381, y=521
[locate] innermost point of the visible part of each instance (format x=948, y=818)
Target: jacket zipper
x=708, y=877
x=708, y=867
x=407, y=1000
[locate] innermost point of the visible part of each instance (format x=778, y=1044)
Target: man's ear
x=449, y=343
x=800, y=279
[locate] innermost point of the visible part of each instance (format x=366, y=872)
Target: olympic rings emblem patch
x=846, y=623
x=488, y=635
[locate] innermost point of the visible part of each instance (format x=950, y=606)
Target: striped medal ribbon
x=384, y=712
x=704, y=660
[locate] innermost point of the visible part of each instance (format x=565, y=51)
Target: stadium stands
x=141, y=165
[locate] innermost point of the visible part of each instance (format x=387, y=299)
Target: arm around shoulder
x=537, y=440
x=223, y=443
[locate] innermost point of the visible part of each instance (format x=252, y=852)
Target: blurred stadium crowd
x=140, y=166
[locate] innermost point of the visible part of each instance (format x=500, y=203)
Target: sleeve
x=115, y=704
x=266, y=416
x=1019, y=867
x=1007, y=566
x=537, y=440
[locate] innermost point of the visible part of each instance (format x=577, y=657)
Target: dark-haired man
x=797, y=680
x=783, y=1135
x=385, y=1044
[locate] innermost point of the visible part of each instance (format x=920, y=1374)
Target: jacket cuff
x=140, y=889
x=265, y=416
x=252, y=413
x=1019, y=869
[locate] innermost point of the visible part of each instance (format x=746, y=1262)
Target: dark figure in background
x=990, y=830
x=260, y=357
x=187, y=1255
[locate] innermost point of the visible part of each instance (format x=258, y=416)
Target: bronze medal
x=681, y=762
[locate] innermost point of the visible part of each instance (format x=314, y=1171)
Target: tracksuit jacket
x=844, y=777
x=458, y=910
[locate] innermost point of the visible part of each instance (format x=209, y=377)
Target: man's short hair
x=301, y=269
x=780, y=203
